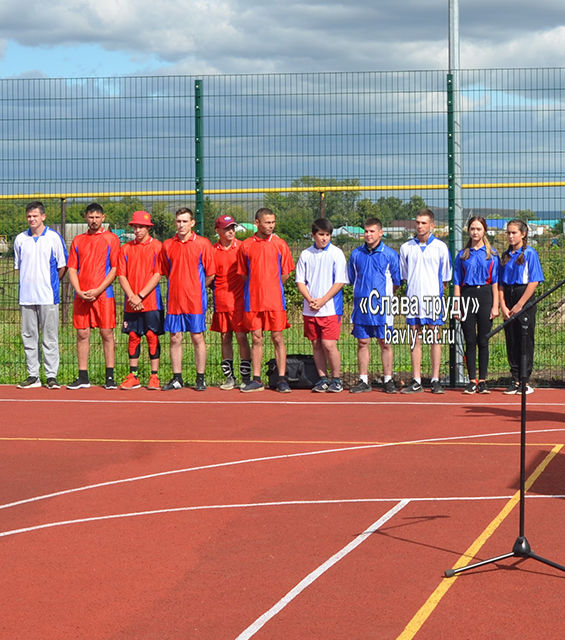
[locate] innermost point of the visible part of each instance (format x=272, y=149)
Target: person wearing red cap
x=92, y=264
x=139, y=273
x=228, y=303
x=265, y=262
x=187, y=260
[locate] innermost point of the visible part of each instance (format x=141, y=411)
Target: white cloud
x=251, y=36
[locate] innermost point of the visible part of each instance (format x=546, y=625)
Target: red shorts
x=266, y=320
x=223, y=321
x=322, y=327
x=99, y=314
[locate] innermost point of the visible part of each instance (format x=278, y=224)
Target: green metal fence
x=343, y=145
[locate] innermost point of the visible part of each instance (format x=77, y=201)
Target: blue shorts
x=144, y=321
x=369, y=331
x=186, y=322
x=422, y=322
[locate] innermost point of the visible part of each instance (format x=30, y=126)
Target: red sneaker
x=131, y=382
x=154, y=383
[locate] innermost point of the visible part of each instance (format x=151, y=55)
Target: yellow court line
x=299, y=442
x=432, y=602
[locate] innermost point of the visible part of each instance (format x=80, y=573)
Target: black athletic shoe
x=110, y=383
x=436, y=387
x=173, y=383
x=413, y=387
x=471, y=388
x=52, y=383
x=79, y=383
x=482, y=387
x=31, y=382
x=390, y=387
x=512, y=389
x=200, y=385
x=360, y=387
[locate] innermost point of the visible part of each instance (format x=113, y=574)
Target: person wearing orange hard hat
x=139, y=275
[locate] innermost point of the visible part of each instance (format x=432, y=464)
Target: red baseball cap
x=141, y=218
x=223, y=222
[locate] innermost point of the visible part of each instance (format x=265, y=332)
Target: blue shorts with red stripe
x=142, y=322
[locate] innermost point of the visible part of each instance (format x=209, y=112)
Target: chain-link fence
x=343, y=145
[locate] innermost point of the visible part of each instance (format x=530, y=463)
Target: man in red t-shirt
x=92, y=263
x=187, y=260
x=139, y=273
x=228, y=303
x=265, y=263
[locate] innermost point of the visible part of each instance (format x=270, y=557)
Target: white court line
x=263, y=459
x=252, y=505
x=309, y=579
x=275, y=402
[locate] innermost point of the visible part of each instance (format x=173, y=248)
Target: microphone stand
x=521, y=548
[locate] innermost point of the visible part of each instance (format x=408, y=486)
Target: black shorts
x=144, y=321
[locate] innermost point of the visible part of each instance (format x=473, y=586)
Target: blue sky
x=78, y=38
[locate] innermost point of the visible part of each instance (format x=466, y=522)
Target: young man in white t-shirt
x=40, y=256
x=425, y=265
x=321, y=272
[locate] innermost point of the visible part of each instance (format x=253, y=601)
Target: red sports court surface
x=221, y=515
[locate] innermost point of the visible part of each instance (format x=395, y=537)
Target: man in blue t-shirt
x=40, y=256
x=374, y=272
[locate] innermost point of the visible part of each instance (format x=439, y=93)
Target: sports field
x=307, y=516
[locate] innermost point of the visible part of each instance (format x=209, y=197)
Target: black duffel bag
x=301, y=372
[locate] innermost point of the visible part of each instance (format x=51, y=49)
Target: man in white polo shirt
x=40, y=256
x=425, y=265
x=321, y=272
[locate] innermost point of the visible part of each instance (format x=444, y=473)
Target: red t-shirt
x=186, y=265
x=93, y=255
x=228, y=284
x=263, y=262
x=138, y=262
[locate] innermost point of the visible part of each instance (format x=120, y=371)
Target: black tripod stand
x=521, y=548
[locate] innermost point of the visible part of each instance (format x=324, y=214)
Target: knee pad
x=154, y=345
x=245, y=368
x=134, y=345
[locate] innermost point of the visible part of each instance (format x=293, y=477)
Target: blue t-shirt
x=373, y=273
x=477, y=269
x=529, y=271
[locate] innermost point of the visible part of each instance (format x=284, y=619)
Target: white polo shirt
x=424, y=268
x=38, y=259
x=319, y=270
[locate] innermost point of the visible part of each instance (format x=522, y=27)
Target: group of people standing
x=247, y=279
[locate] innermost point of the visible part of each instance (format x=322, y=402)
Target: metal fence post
x=199, y=156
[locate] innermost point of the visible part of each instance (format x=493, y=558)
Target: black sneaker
x=335, y=385
x=79, y=383
x=52, y=383
x=110, y=383
x=512, y=389
x=200, y=385
x=31, y=382
x=413, y=387
x=173, y=383
x=436, y=387
x=321, y=386
x=360, y=387
x=251, y=386
x=471, y=388
x=482, y=387
x=282, y=386
x=390, y=387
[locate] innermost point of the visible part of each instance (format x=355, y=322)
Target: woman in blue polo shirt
x=520, y=274
x=476, y=279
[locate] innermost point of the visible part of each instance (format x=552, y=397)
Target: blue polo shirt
x=529, y=271
x=372, y=271
x=477, y=269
